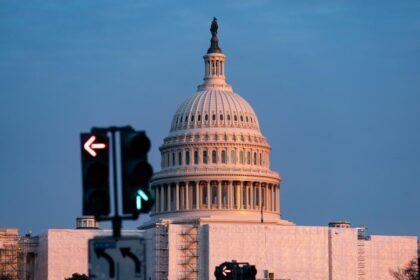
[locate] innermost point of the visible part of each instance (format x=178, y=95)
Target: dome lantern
x=214, y=63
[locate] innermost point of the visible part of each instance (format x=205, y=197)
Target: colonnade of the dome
x=216, y=195
x=230, y=156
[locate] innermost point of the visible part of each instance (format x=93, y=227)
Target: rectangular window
x=195, y=157
x=179, y=158
x=187, y=157
x=173, y=159
x=205, y=157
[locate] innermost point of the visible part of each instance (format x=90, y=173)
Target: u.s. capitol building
x=218, y=200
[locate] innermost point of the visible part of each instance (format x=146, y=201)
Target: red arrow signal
x=226, y=271
x=90, y=146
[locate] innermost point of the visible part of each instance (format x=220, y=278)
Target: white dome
x=214, y=108
x=215, y=161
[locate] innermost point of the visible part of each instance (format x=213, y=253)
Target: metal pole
x=262, y=211
x=116, y=220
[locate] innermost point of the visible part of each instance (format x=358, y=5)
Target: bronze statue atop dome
x=214, y=26
x=214, y=42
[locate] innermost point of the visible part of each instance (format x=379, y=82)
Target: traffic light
x=226, y=271
x=95, y=173
x=136, y=172
x=248, y=272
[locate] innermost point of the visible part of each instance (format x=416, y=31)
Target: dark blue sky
x=335, y=84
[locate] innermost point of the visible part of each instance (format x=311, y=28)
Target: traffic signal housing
x=95, y=174
x=136, y=172
x=248, y=272
x=226, y=271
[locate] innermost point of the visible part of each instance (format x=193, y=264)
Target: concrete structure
x=218, y=200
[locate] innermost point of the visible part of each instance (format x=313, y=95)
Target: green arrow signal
x=140, y=195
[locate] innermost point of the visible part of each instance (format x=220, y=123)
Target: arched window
x=187, y=157
x=242, y=118
x=235, y=118
x=195, y=157
x=180, y=119
x=213, y=156
x=223, y=156
x=213, y=117
x=179, y=158
x=228, y=117
x=255, y=158
x=260, y=159
x=186, y=118
x=246, y=119
x=233, y=156
x=199, y=118
x=206, y=117
x=241, y=157
x=192, y=118
x=173, y=159
x=205, y=157
x=248, y=158
x=168, y=162
x=221, y=117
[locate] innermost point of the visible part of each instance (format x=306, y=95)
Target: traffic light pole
x=116, y=219
x=134, y=171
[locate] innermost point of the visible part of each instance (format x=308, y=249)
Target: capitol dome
x=215, y=161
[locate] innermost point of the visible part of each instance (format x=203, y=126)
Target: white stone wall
x=343, y=249
x=62, y=252
x=301, y=252
x=388, y=252
x=290, y=252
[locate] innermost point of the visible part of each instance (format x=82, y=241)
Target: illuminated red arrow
x=226, y=270
x=90, y=146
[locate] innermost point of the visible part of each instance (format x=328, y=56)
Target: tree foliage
x=77, y=276
x=408, y=272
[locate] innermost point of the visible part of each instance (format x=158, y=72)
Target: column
x=158, y=202
x=187, y=200
x=208, y=195
x=219, y=194
x=162, y=194
x=248, y=199
x=274, y=198
x=266, y=207
x=168, y=197
x=230, y=195
x=177, y=196
x=238, y=196
x=252, y=195
x=197, y=195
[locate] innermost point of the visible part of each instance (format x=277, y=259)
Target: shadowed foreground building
x=218, y=200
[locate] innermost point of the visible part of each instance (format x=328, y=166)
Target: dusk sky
x=335, y=85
